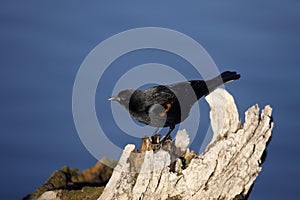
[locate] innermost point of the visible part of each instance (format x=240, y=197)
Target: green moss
x=57, y=180
x=75, y=185
x=86, y=193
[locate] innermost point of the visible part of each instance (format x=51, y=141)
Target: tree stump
x=226, y=170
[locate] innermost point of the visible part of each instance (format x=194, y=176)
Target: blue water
x=43, y=43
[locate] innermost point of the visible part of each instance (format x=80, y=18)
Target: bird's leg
x=155, y=132
x=155, y=138
x=155, y=141
x=167, y=136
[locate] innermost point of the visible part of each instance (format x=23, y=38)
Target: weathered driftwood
x=226, y=170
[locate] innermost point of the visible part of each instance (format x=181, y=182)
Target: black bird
x=168, y=105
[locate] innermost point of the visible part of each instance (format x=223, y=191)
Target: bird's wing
x=158, y=100
x=190, y=88
x=189, y=92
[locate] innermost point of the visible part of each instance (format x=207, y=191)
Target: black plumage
x=168, y=105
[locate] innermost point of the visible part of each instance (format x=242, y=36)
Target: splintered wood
x=226, y=170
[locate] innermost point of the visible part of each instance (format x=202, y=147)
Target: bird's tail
x=225, y=77
x=229, y=76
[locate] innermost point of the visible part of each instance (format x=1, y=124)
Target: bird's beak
x=113, y=98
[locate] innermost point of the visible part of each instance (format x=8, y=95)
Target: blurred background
x=43, y=43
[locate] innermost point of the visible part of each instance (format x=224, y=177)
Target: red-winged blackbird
x=168, y=105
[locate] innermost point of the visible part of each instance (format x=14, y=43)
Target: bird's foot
x=167, y=137
x=156, y=147
x=155, y=143
x=155, y=138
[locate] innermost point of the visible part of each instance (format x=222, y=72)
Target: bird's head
x=123, y=97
